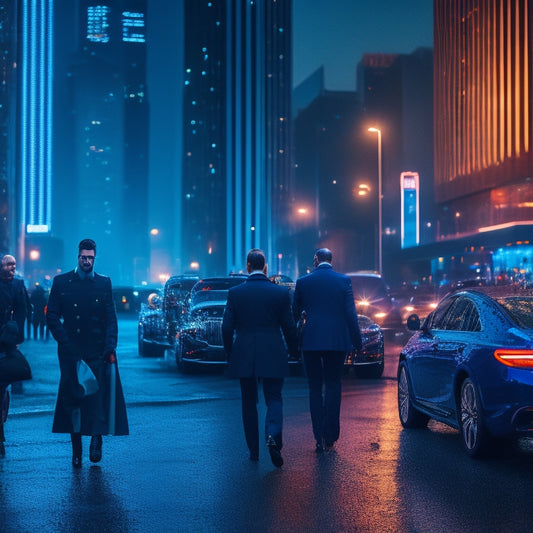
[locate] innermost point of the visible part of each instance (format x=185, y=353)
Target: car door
x=425, y=380
x=460, y=326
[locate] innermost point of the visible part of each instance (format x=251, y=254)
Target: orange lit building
x=482, y=137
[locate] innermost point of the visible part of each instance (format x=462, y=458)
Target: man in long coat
x=81, y=316
x=259, y=313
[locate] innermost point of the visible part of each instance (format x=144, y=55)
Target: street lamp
x=380, y=198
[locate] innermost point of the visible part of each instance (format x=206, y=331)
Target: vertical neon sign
x=36, y=115
x=409, y=184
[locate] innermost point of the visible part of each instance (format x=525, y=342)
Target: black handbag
x=14, y=367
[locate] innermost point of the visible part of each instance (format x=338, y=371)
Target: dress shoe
x=76, y=461
x=319, y=448
x=330, y=446
x=2, y=450
x=275, y=453
x=95, y=449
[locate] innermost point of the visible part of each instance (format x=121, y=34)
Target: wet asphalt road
x=185, y=466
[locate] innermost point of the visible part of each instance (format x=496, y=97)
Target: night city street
x=185, y=465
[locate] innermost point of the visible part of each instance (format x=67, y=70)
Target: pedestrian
x=82, y=319
x=12, y=307
x=256, y=321
x=38, y=301
x=331, y=330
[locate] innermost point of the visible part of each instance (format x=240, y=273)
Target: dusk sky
x=337, y=33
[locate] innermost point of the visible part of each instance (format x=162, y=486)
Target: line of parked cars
x=187, y=320
x=468, y=363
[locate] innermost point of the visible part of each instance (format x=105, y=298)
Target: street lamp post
x=380, y=198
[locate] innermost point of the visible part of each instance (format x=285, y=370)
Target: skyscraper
x=237, y=130
x=483, y=130
x=103, y=187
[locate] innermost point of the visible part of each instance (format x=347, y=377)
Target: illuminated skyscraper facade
x=483, y=112
x=237, y=130
x=483, y=123
x=8, y=196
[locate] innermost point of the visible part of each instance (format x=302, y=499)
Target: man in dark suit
x=258, y=311
x=81, y=316
x=324, y=299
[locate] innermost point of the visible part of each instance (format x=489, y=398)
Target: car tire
x=370, y=371
x=475, y=436
x=409, y=416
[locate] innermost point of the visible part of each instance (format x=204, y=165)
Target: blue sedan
x=470, y=366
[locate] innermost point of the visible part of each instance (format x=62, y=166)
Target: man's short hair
x=87, y=244
x=256, y=259
x=324, y=255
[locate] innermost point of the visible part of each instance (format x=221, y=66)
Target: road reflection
x=91, y=504
x=440, y=484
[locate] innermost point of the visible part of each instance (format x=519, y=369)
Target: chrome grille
x=213, y=332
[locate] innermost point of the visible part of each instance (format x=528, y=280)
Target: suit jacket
x=13, y=304
x=256, y=314
x=331, y=319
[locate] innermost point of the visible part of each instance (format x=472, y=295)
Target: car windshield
x=519, y=308
x=368, y=287
x=213, y=290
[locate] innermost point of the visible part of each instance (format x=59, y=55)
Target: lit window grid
x=482, y=70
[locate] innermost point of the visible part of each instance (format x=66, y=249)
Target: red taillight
x=515, y=358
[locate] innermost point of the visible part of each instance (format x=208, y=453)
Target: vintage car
x=161, y=316
x=199, y=339
x=470, y=366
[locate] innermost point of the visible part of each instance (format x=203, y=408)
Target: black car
x=373, y=299
x=160, y=318
x=371, y=362
x=199, y=338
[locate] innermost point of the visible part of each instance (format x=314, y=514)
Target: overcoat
x=258, y=329
x=81, y=316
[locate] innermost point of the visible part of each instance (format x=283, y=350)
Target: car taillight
x=515, y=358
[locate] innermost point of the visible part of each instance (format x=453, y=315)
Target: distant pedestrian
x=12, y=307
x=38, y=300
x=331, y=330
x=81, y=316
x=257, y=320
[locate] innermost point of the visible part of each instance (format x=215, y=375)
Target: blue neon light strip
x=36, y=114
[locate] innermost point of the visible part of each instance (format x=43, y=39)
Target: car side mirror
x=413, y=322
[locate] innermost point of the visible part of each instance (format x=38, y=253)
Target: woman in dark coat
x=81, y=316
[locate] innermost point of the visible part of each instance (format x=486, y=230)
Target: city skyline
x=337, y=35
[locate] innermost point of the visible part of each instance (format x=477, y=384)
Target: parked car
x=130, y=299
x=373, y=299
x=421, y=303
x=470, y=366
x=199, y=337
x=161, y=316
x=371, y=362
